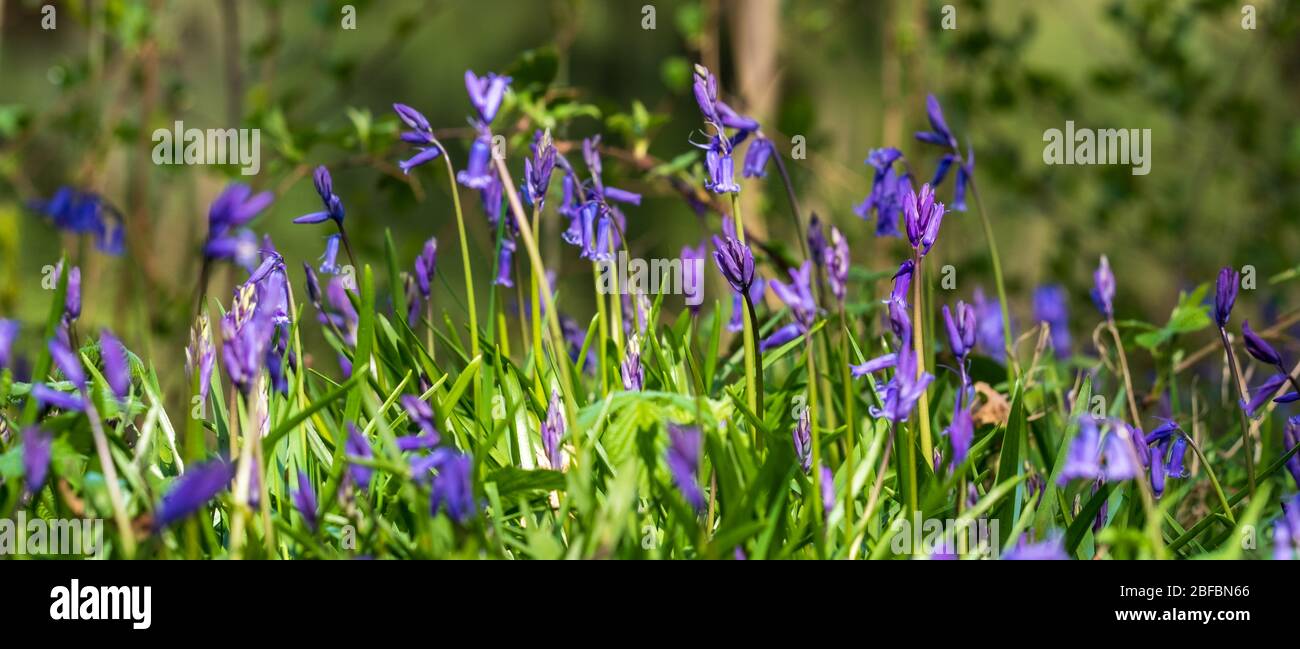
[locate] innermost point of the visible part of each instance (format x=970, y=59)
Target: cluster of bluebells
x=84, y=213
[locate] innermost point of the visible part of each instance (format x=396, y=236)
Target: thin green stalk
x=753, y=360
x=997, y=279
x=464, y=252
x=1247, y=444
x=1214, y=480
x=918, y=334
x=1123, y=366
x=850, y=428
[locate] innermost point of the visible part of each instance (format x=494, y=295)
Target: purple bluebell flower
x=506, y=262
x=922, y=215
x=683, y=460
x=1050, y=549
x=802, y=434
x=1225, y=295
x=304, y=500
x=715, y=111
x=329, y=261
x=1286, y=533
x=421, y=136
x=992, y=338
x=117, y=370
x=828, y=489
x=486, y=93
x=424, y=267
x=757, y=156
x=341, y=312
x=961, y=432
x=817, y=240
x=233, y=209
x=797, y=294
x=8, y=333
x=736, y=262
x=359, y=447
x=1177, y=456
x=1158, y=468
x=313, y=284
x=736, y=323
x=1259, y=348
x=939, y=132
x=1050, y=307
x=721, y=169
x=633, y=375
x=693, y=274
x=1290, y=440
x=837, y=265
x=553, y=430
x=36, y=457
x=72, y=299
x=84, y=213
x=68, y=362
x=478, y=171
x=453, y=487
x=1083, y=461
x=1120, y=455
x=333, y=204
x=52, y=398
x=888, y=189
x=247, y=333
x=962, y=330
x=192, y=490
x=903, y=390
x=200, y=354
x=781, y=336
x=421, y=413
x=537, y=169
x=1103, y=292
x=899, y=322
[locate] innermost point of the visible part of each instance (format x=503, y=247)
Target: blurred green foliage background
x=78, y=104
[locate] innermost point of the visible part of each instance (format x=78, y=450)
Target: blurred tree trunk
x=755, y=41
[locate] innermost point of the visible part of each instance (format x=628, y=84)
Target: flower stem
x=548, y=300
x=812, y=427
x=124, y=530
x=1123, y=367
x=997, y=279
x=753, y=359
x=1247, y=444
x=464, y=251
x=918, y=333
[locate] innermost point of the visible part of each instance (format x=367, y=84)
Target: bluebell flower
x=1290, y=440
x=837, y=265
x=960, y=433
x=1259, y=348
x=888, y=188
x=736, y=261
x=192, y=490
x=1050, y=549
x=802, y=435
x=683, y=460
x=420, y=135
x=49, y=397
x=1083, y=461
x=992, y=338
x=922, y=215
x=1225, y=295
x=721, y=169
x=304, y=500
x=424, y=267
x=1103, y=292
x=506, y=262
x=8, y=333
x=537, y=169
x=233, y=209
x=797, y=294
x=1050, y=306
x=939, y=132
x=452, y=487
x=553, y=430
x=478, y=171
x=333, y=204
x=630, y=370
x=36, y=457
x=84, y=213
x=486, y=93
x=68, y=362
x=117, y=370
x=358, y=446
x=421, y=414
x=962, y=330
x=828, y=489
x=757, y=156
x=816, y=240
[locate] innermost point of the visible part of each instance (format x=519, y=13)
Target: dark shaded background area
x=78, y=105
